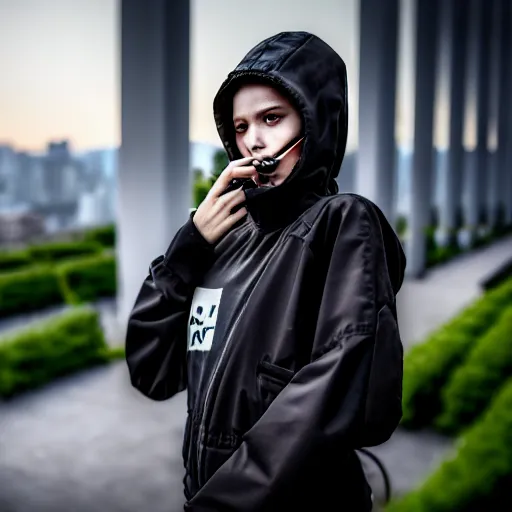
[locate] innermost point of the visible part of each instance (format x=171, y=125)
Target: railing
x=382, y=469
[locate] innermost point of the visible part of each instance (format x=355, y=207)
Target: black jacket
x=285, y=332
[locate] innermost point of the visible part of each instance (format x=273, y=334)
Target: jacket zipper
x=202, y=445
x=202, y=425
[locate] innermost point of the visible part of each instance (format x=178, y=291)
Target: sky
x=59, y=63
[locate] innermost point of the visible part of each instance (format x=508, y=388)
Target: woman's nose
x=254, y=141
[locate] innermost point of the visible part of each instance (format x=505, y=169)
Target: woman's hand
x=213, y=217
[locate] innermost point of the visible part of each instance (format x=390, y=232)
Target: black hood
x=313, y=76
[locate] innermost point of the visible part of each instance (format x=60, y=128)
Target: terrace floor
x=90, y=442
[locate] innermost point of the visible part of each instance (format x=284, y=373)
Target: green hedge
x=478, y=476
x=88, y=279
x=74, y=281
x=13, y=260
x=28, y=290
x=56, y=347
x=428, y=366
x=201, y=189
x=472, y=385
x=56, y=251
x=105, y=235
x=437, y=254
x=401, y=226
x=117, y=352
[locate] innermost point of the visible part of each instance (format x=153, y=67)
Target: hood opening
x=223, y=110
x=308, y=72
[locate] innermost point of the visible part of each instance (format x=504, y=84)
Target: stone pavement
x=91, y=443
x=426, y=303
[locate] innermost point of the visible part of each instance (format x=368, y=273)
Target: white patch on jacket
x=203, y=318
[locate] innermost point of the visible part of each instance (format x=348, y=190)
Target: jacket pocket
x=272, y=379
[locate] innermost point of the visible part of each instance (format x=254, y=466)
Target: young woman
x=274, y=305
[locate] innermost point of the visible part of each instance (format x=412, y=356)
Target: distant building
x=20, y=227
x=98, y=201
x=64, y=189
x=61, y=176
x=57, y=183
x=95, y=208
x=8, y=168
x=30, y=180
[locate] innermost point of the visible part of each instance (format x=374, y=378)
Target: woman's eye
x=240, y=128
x=272, y=118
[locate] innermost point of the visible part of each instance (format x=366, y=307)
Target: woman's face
x=265, y=121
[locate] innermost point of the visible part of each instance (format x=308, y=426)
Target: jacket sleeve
x=348, y=396
x=156, y=339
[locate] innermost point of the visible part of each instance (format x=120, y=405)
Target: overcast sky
x=59, y=62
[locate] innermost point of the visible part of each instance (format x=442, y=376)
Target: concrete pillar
x=492, y=183
x=377, y=86
x=154, y=184
x=452, y=65
x=426, y=18
x=505, y=114
x=478, y=87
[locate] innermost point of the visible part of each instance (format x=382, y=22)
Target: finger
x=230, y=221
x=244, y=172
x=244, y=161
x=225, y=178
x=217, y=194
x=219, y=187
x=227, y=201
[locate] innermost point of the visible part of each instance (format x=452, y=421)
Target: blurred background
x=107, y=140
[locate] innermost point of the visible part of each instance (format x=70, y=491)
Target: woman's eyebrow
x=262, y=111
x=268, y=109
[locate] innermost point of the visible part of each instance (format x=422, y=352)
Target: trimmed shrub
x=437, y=254
x=56, y=347
x=472, y=385
x=478, y=476
x=105, y=236
x=13, y=260
x=46, y=253
x=401, y=226
x=88, y=279
x=499, y=276
x=28, y=290
x=428, y=366
x=114, y=353
x=201, y=189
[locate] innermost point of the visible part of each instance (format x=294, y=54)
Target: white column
x=492, y=175
x=452, y=65
x=154, y=185
x=423, y=162
x=377, y=86
x=505, y=137
x=478, y=88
